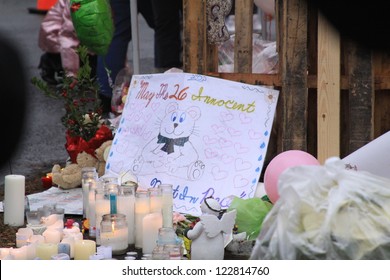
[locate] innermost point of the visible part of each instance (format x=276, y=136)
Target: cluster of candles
x=119, y=215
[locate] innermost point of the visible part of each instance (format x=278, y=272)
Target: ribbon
x=170, y=143
x=75, y=144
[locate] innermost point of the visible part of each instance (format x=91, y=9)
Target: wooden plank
x=194, y=36
x=361, y=94
x=243, y=36
x=328, y=102
x=293, y=70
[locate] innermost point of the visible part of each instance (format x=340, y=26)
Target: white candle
x=126, y=204
x=44, y=251
x=102, y=207
x=70, y=241
x=92, y=210
x=22, y=236
x=116, y=239
x=88, y=176
x=142, y=208
x=150, y=225
x=52, y=236
x=156, y=202
x=31, y=251
x=167, y=205
x=14, y=196
x=83, y=249
x=19, y=253
x=106, y=251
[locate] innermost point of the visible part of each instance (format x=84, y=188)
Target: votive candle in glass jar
x=114, y=233
x=155, y=199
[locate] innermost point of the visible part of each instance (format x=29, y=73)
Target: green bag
x=250, y=215
x=93, y=23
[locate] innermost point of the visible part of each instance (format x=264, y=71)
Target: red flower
x=75, y=7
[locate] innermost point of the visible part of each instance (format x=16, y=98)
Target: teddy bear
x=69, y=177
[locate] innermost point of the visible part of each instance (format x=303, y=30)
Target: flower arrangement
x=85, y=129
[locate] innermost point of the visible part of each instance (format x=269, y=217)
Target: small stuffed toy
x=69, y=177
x=101, y=154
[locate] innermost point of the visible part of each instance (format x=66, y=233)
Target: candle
x=83, y=249
x=70, y=241
x=19, y=253
x=64, y=248
x=44, y=251
x=126, y=203
x=155, y=199
x=142, y=208
x=22, y=236
x=14, y=199
x=105, y=251
x=31, y=251
x=102, y=207
x=88, y=176
x=37, y=238
x=52, y=236
x=113, y=233
x=92, y=210
x=167, y=205
x=60, y=257
x=150, y=225
x=47, y=181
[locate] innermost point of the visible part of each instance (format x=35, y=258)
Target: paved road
x=43, y=138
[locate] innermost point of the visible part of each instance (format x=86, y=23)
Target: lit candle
x=155, y=199
x=113, y=233
x=142, y=208
x=47, y=181
x=14, y=199
x=150, y=225
x=44, y=251
x=126, y=203
x=83, y=249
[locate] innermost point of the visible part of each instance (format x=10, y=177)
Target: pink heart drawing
x=240, y=164
x=209, y=140
x=218, y=129
x=240, y=181
x=244, y=119
x=226, y=116
x=210, y=153
x=227, y=159
x=253, y=134
x=240, y=149
x=225, y=143
x=219, y=174
x=234, y=132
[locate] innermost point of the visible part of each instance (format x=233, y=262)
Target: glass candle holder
x=114, y=233
x=88, y=176
x=142, y=208
x=167, y=204
x=126, y=205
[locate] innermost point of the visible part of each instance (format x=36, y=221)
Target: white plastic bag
x=327, y=212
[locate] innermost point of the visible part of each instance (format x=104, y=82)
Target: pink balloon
x=279, y=164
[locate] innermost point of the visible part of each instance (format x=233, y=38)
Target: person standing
x=110, y=64
x=168, y=18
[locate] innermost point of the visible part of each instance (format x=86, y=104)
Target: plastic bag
x=250, y=215
x=120, y=90
x=327, y=212
x=265, y=59
x=93, y=23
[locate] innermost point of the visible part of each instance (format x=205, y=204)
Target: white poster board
x=206, y=136
x=372, y=157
